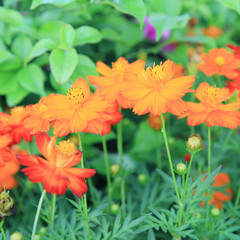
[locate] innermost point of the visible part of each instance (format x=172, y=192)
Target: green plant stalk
x=199, y=164
x=53, y=210
x=109, y=184
x=2, y=230
x=38, y=214
x=158, y=151
x=84, y=200
x=209, y=171
x=237, y=198
x=120, y=154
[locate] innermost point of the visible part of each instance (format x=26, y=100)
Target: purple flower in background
x=150, y=31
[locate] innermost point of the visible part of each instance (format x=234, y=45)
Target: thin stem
x=209, y=171
x=38, y=214
x=237, y=198
x=199, y=164
x=53, y=210
x=109, y=184
x=84, y=200
x=2, y=230
x=120, y=153
x=169, y=157
x=158, y=151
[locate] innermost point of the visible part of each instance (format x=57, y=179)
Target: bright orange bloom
x=236, y=50
x=212, y=31
x=13, y=125
x=111, y=83
x=179, y=70
x=5, y=152
x=155, y=90
x=155, y=121
x=56, y=172
x=7, y=175
x=211, y=110
x=219, y=197
x=35, y=121
x=219, y=61
x=71, y=113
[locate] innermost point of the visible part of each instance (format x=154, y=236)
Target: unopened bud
x=215, y=212
x=37, y=237
x=181, y=168
x=115, y=168
x=6, y=204
x=194, y=143
x=142, y=178
x=115, y=209
x=16, y=236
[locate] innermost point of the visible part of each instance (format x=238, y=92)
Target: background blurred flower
x=212, y=31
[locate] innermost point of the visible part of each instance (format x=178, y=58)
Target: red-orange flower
x=211, y=110
x=179, y=70
x=212, y=31
x=219, y=61
x=219, y=197
x=111, y=83
x=5, y=152
x=35, y=121
x=56, y=172
x=13, y=125
x=235, y=49
x=155, y=90
x=72, y=113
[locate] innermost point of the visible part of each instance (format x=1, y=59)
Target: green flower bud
x=215, y=212
x=198, y=215
x=142, y=178
x=115, y=168
x=6, y=204
x=16, y=236
x=37, y=237
x=43, y=230
x=181, y=168
x=194, y=143
x=115, y=209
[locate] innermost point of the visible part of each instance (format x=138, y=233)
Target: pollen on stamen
x=220, y=61
x=66, y=148
x=120, y=66
x=42, y=108
x=76, y=95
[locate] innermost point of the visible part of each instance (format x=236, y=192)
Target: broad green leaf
x=111, y=34
x=162, y=22
x=67, y=35
x=63, y=63
x=4, y=55
x=39, y=48
x=59, y=87
x=135, y=8
x=8, y=82
x=11, y=16
x=233, y=4
x=21, y=46
x=12, y=63
x=32, y=79
x=166, y=7
x=85, y=67
x=16, y=96
x=36, y=3
x=86, y=34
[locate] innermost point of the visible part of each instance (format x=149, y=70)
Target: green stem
x=209, y=171
x=120, y=153
x=38, y=214
x=169, y=157
x=199, y=164
x=218, y=77
x=2, y=230
x=158, y=151
x=84, y=199
x=53, y=210
x=237, y=198
x=109, y=184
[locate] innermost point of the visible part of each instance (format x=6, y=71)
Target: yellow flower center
x=18, y=112
x=66, y=148
x=156, y=73
x=194, y=142
x=42, y=108
x=211, y=95
x=219, y=61
x=77, y=95
x=120, y=66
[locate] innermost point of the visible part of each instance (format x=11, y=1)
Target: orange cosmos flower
x=35, y=122
x=5, y=152
x=56, y=172
x=219, y=61
x=155, y=90
x=111, y=83
x=71, y=113
x=212, y=31
x=13, y=125
x=219, y=197
x=179, y=70
x=211, y=110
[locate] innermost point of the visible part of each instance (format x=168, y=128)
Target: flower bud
x=115, y=168
x=142, y=178
x=155, y=121
x=37, y=237
x=215, y=212
x=194, y=143
x=181, y=168
x=198, y=215
x=16, y=236
x=6, y=204
x=115, y=209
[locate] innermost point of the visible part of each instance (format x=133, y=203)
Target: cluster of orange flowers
x=156, y=90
